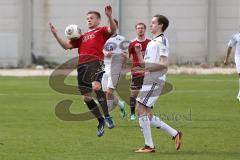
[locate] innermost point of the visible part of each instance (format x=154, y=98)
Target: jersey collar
x=141, y=40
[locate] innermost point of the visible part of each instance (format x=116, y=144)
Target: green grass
x=29, y=129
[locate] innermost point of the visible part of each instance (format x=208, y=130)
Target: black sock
x=101, y=97
x=92, y=106
x=132, y=104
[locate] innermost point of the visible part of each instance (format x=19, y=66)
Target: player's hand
x=108, y=11
x=138, y=69
x=138, y=48
x=52, y=28
x=109, y=54
x=225, y=61
x=124, y=57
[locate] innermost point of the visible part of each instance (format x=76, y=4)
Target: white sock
x=110, y=104
x=157, y=122
x=239, y=87
x=144, y=124
x=115, y=100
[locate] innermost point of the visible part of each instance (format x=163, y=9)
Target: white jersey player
x=115, y=51
x=235, y=43
x=113, y=61
x=155, y=67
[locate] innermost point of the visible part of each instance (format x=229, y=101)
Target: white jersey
x=154, y=81
x=115, y=45
x=156, y=48
x=235, y=42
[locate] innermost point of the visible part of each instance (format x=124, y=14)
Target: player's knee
x=96, y=86
x=87, y=98
x=141, y=110
x=134, y=93
x=109, y=91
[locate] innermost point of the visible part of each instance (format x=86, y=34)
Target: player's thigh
x=237, y=62
x=84, y=79
x=104, y=82
x=134, y=93
x=150, y=93
x=113, y=80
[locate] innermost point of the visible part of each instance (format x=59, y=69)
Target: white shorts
x=111, y=76
x=150, y=91
x=237, y=62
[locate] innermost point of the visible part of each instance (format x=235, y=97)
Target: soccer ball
x=72, y=32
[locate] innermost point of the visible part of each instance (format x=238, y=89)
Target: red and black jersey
x=90, y=44
x=134, y=54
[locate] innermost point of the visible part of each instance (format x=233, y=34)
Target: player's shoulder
x=102, y=29
x=120, y=37
x=235, y=35
x=162, y=39
x=148, y=39
x=133, y=40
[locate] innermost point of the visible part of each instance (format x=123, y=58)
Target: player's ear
x=161, y=25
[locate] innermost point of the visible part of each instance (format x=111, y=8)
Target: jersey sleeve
x=74, y=43
x=163, y=47
x=105, y=33
x=232, y=42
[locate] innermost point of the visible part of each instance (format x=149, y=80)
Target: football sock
x=158, y=123
x=144, y=124
x=132, y=104
x=101, y=97
x=92, y=106
x=239, y=87
x=116, y=100
x=110, y=104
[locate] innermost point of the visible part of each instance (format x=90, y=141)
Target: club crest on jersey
x=110, y=46
x=87, y=37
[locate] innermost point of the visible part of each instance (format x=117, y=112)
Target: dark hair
x=140, y=23
x=162, y=20
x=96, y=13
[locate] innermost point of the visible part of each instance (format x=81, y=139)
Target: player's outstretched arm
x=138, y=50
x=61, y=41
x=112, y=24
x=227, y=56
x=162, y=66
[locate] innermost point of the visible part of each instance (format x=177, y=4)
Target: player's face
x=140, y=30
x=154, y=26
x=92, y=21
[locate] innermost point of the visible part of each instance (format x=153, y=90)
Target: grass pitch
x=203, y=107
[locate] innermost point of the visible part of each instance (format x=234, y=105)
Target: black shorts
x=136, y=82
x=88, y=73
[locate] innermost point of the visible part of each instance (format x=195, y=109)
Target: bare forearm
x=62, y=42
x=112, y=25
x=141, y=60
x=156, y=67
x=228, y=52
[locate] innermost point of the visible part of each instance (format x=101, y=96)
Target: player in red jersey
x=137, y=77
x=90, y=70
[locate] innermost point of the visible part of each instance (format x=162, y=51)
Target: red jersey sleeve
x=75, y=43
x=105, y=32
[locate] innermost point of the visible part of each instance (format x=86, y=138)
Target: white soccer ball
x=72, y=32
